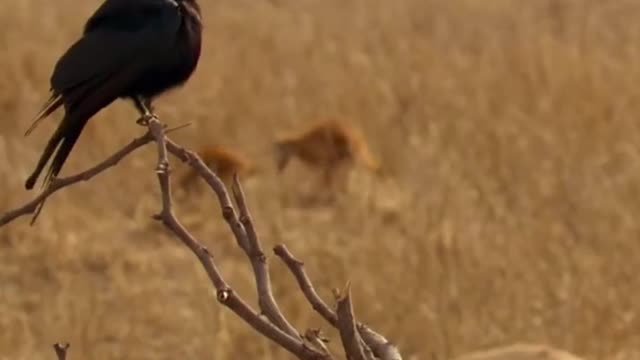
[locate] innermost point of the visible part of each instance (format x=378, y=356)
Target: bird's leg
x=144, y=107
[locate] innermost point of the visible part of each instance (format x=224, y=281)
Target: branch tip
x=176, y=128
x=61, y=350
x=345, y=293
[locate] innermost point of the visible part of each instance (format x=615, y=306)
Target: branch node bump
x=163, y=168
x=228, y=213
x=223, y=295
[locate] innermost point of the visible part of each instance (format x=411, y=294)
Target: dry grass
x=510, y=130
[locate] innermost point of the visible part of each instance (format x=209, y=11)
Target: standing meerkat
x=330, y=146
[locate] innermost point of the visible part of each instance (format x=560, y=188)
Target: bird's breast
x=178, y=60
x=191, y=36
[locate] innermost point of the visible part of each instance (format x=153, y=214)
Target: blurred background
x=509, y=135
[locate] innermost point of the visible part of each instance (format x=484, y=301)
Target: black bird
x=130, y=49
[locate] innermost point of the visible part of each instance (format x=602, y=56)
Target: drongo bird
x=129, y=49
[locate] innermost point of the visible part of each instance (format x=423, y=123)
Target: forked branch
x=225, y=294
x=359, y=342
x=244, y=233
x=378, y=344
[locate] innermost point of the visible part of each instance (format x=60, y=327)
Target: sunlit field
x=509, y=134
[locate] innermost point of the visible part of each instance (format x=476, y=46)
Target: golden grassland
x=508, y=129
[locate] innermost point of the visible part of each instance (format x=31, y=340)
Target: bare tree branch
x=59, y=183
x=267, y=302
x=244, y=233
x=359, y=342
x=225, y=294
x=382, y=348
x=157, y=131
x=297, y=269
x=379, y=345
x=347, y=326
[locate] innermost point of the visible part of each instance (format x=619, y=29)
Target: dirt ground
x=510, y=139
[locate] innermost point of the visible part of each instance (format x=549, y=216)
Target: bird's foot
x=145, y=119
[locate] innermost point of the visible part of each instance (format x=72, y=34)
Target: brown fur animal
x=329, y=146
x=223, y=161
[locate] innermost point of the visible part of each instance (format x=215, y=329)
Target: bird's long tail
x=61, y=142
x=54, y=102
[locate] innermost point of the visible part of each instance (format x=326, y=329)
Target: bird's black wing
x=104, y=50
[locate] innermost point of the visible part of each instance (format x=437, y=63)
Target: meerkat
x=222, y=160
x=330, y=146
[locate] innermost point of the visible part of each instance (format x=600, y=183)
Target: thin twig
x=379, y=345
x=359, y=341
x=296, y=267
x=60, y=183
x=157, y=130
x=266, y=301
x=216, y=184
x=244, y=234
x=347, y=326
